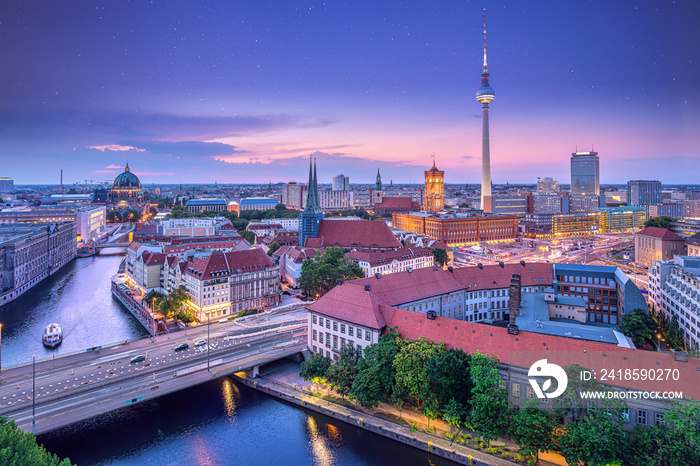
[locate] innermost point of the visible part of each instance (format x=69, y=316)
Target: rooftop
x=661, y=233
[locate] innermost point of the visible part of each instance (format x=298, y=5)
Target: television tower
x=485, y=96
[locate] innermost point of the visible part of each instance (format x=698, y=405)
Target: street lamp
x=33, y=393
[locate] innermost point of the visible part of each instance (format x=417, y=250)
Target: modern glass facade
x=643, y=192
x=585, y=174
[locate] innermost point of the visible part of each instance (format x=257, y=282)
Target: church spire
x=378, y=184
x=312, y=198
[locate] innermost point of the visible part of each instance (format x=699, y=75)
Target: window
x=342, y=328
x=367, y=337
x=350, y=330
x=335, y=326
x=660, y=419
x=314, y=337
x=320, y=321
x=328, y=323
x=516, y=389
x=641, y=417
x=502, y=384
x=314, y=318
x=530, y=393
x=320, y=337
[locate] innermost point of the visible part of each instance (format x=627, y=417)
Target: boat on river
x=53, y=335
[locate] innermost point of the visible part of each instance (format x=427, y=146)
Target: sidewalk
x=283, y=377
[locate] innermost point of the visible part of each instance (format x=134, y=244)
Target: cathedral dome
x=127, y=179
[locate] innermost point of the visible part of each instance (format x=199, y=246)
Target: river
x=217, y=423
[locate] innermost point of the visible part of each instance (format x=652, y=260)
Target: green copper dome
x=127, y=179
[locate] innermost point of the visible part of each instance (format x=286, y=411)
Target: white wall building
x=372, y=262
x=289, y=224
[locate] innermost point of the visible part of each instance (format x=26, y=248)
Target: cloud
x=115, y=148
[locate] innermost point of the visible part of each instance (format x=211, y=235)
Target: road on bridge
x=80, y=386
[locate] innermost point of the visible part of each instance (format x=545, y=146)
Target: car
x=139, y=358
x=182, y=347
x=200, y=343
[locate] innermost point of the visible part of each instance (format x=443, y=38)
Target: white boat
x=53, y=335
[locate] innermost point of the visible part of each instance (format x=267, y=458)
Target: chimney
x=503, y=266
x=481, y=266
x=340, y=282
x=522, y=263
x=368, y=287
x=377, y=275
x=450, y=268
x=410, y=270
x=514, y=303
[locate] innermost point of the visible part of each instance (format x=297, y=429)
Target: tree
x=323, y=272
x=639, y=326
x=341, y=375
x=20, y=448
x=453, y=413
x=374, y=381
x=489, y=402
x=440, y=257
x=280, y=207
x=315, y=368
x=674, y=334
x=659, y=222
x=596, y=440
x=449, y=376
x=273, y=247
x=533, y=429
x=571, y=405
x=247, y=235
x=411, y=365
x=431, y=408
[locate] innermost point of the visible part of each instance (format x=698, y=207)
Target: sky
x=232, y=91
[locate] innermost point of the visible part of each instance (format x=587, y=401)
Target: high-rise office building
x=341, y=183
x=585, y=173
x=294, y=195
x=643, y=192
x=485, y=96
x=6, y=185
x=548, y=185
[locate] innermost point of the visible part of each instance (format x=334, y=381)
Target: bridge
x=84, y=385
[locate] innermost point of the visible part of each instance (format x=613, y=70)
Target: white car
x=200, y=343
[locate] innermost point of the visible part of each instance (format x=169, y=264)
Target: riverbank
x=281, y=381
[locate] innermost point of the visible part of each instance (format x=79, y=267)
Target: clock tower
x=434, y=189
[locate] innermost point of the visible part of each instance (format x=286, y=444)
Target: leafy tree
x=570, y=404
x=674, y=334
x=596, y=440
x=247, y=235
x=411, y=365
x=315, y=367
x=453, y=412
x=374, y=381
x=20, y=448
x=280, y=207
x=431, y=408
x=273, y=247
x=449, y=376
x=638, y=325
x=533, y=429
x=440, y=257
x=489, y=402
x=323, y=272
x=341, y=375
x=659, y=222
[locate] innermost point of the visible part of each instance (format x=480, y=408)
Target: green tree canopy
x=659, y=222
x=596, y=440
x=533, y=429
x=273, y=247
x=323, y=272
x=440, y=257
x=638, y=325
x=316, y=366
x=450, y=376
x=341, y=375
x=18, y=448
x=374, y=381
x=489, y=401
x=411, y=366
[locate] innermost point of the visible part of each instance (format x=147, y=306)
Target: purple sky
x=239, y=92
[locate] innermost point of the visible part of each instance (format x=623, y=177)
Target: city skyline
x=244, y=94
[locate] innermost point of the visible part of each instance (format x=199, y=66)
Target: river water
x=218, y=423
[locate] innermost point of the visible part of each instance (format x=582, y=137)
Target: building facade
x=584, y=204
x=620, y=219
x=692, y=245
x=257, y=203
x=335, y=200
x=31, y=253
x=643, y=192
x=585, y=174
x=373, y=262
x=505, y=205
x=674, y=291
x=341, y=183
x=459, y=230
x=676, y=211
x=6, y=184
x=547, y=186
x=652, y=244
x=434, y=189
x=90, y=220
x=206, y=205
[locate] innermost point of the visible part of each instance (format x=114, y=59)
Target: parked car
x=139, y=358
x=200, y=343
x=182, y=347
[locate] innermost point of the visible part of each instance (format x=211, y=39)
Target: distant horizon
x=247, y=91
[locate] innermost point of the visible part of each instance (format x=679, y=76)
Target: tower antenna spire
x=484, y=40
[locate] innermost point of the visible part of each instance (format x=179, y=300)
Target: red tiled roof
x=146, y=229
x=488, y=339
x=355, y=234
x=380, y=257
x=661, y=233
x=262, y=226
x=173, y=261
x=134, y=246
x=314, y=242
x=229, y=263
x=354, y=304
x=281, y=251
x=694, y=240
x=153, y=259
x=495, y=276
x=227, y=226
x=298, y=254
x=403, y=287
